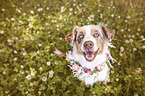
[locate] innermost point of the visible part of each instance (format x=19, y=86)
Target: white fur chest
x=90, y=79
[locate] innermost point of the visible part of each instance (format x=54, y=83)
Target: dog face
x=89, y=40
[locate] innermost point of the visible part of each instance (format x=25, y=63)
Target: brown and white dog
x=90, y=56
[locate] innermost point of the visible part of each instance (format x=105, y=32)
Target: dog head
x=89, y=40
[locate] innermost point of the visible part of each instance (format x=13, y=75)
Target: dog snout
x=88, y=45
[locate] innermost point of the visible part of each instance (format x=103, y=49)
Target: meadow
x=30, y=30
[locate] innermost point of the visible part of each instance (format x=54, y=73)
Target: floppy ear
x=70, y=37
x=109, y=33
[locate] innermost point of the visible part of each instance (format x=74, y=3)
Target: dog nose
x=88, y=44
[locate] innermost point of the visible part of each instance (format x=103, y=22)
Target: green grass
x=30, y=31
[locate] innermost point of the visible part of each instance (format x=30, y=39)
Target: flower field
x=30, y=30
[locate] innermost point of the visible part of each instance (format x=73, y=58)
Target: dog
x=90, y=57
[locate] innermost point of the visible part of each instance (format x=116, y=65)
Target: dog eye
x=96, y=34
x=81, y=36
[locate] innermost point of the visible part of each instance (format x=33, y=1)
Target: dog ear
x=70, y=37
x=109, y=33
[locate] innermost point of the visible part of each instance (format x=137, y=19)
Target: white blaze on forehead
x=87, y=30
x=89, y=37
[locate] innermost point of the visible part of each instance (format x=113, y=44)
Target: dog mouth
x=90, y=55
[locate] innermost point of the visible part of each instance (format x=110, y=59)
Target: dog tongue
x=89, y=54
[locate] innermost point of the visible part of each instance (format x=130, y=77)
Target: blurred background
x=30, y=30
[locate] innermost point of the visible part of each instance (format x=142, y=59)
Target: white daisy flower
x=15, y=58
x=22, y=66
x=32, y=12
x=39, y=92
x=15, y=51
x=49, y=63
x=112, y=15
x=44, y=78
x=13, y=19
x=138, y=29
x=32, y=74
x=39, y=45
x=70, y=9
x=122, y=49
x=28, y=77
x=51, y=73
x=24, y=53
x=41, y=68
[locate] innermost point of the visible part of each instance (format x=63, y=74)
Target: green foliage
x=30, y=31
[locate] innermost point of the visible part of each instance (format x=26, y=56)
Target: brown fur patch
x=79, y=41
x=100, y=45
x=79, y=48
x=108, y=32
x=94, y=30
x=68, y=37
x=99, y=40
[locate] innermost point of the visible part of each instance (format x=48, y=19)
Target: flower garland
x=77, y=68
